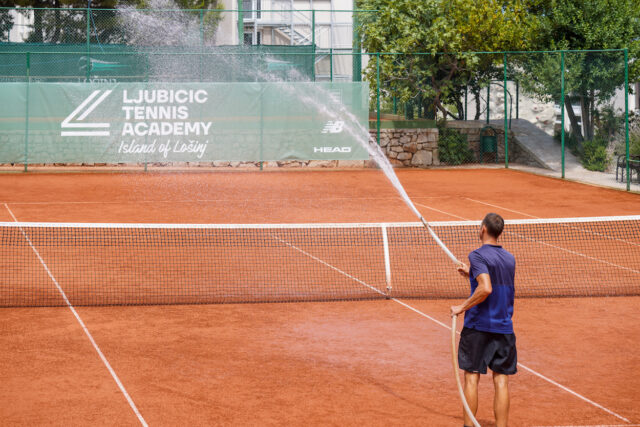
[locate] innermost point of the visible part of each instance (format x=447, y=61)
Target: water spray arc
x=336, y=111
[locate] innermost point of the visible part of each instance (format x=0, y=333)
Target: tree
x=447, y=31
x=65, y=21
x=591, y=78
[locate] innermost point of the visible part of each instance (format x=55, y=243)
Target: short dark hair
x=494, y=224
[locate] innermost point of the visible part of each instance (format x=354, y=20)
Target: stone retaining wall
x=410, y=147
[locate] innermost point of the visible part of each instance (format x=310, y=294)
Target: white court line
x=124, y=202
x=544, y=243
x=598, y=425
x=404, y=304
x=84, y=327
x=503, y=208
x=604, y=236
x=443, y=212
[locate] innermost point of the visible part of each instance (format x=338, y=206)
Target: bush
x=453, y=147
x=571, y=142
x=594, y=154
x=634, y=145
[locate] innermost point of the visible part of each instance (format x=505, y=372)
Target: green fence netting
x=73, y=63
x=566, y=112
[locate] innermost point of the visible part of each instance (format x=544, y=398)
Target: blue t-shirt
x=494, y=313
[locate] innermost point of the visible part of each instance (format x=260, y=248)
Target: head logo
x=84, y=109
x=331, y=149
x=333, y=127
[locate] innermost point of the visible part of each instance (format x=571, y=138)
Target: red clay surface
x=339, y=363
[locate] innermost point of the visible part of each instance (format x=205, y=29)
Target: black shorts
x=480, y=349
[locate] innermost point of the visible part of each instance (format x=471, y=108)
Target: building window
x=248, y=38
x=254, y=7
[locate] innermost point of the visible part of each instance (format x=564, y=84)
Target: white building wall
x=22, y=24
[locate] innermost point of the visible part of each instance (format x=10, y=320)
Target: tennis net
x=120, y=264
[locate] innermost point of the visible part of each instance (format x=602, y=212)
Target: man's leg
x=471, y=394
x=501, y=399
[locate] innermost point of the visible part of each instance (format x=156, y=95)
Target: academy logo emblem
x=333, y=127
x=75, y=120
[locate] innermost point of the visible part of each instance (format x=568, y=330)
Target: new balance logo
x=83, y=110
x=333, y=127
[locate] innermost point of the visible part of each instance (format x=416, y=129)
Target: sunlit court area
x=261, y=212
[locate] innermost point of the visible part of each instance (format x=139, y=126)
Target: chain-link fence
x=566, y=113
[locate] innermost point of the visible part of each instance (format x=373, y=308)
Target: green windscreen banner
x=182, y=122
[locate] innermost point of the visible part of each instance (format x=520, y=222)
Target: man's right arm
x=481, y=293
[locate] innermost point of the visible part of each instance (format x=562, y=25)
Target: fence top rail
x=500, y=52
x=296, y=53
x=186, y=10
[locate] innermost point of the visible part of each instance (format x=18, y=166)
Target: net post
x=387, y=261
x=626, y=113
x=378, y=97
x=240, y=24
x=506, y=123
x=562, y=108
x=26, y=120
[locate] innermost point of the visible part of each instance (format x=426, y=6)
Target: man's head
x=492, y=225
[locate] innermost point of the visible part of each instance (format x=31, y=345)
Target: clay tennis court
x=370, y=362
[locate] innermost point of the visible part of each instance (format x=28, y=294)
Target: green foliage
x=447, y=31
x=453, y=147
x=594, y=154
x=607, y=122
x=61, y=24
x=591, y=78
x=634, y=145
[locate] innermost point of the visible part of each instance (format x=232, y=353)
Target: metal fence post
x=562, y=108
x=262, y=88
x=88, y=12
x=466, y=103
x=26, y=120
x=356, y=60
x=240, y=24
x=201, y=27
x=201, y=58
x=378, y=97
x=626, y=113
x=488, y=97
x=506, y=123
x=331, y=63
x=313, y=43
x=517, y=99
